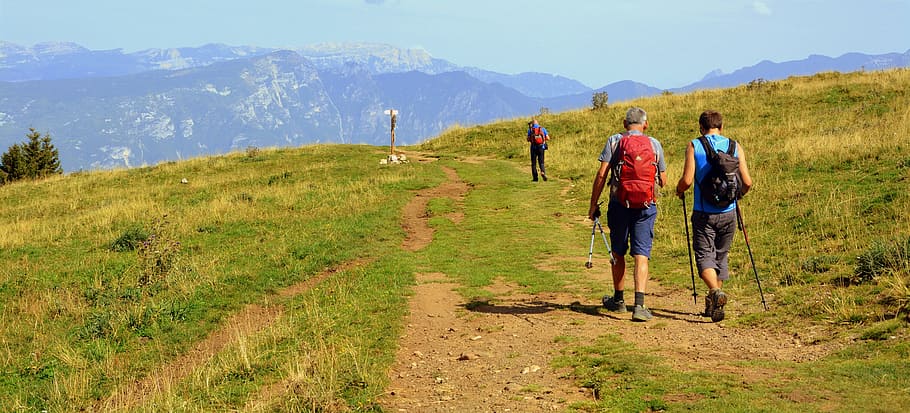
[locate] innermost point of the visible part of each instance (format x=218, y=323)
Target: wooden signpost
x=393, y=114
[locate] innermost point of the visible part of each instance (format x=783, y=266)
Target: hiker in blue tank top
x=537, y=137
x=636, y=165
x=713, y=226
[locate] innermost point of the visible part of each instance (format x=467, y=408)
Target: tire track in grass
x=415, y=218
x=418, y=234
x=250, y=320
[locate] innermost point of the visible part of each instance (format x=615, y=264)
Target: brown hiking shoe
x=714, y=305
x=709, y=306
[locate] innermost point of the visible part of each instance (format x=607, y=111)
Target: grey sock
x=617, y=295
x=639, y=298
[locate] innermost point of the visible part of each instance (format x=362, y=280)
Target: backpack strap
x=711, y=152
x=709, y=149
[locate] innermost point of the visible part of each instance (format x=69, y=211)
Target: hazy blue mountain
x=538, y=85
x=769, y=70
x=272, y=100
x=45, y=61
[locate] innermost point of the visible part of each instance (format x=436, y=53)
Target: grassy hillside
x=107, y=278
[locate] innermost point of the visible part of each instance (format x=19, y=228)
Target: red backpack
x=634, y=170
x=536, y=135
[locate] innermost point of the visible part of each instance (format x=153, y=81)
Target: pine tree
x=12, y=164
x=36, y=158
x=42, y=156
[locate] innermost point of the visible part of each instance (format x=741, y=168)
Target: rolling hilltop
x=276, y=280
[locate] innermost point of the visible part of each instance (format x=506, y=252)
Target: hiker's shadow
x=515, y=308
x=541, y=307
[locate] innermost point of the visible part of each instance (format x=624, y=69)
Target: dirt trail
x=496, y=356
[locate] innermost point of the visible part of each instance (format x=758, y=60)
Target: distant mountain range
x=107, y=108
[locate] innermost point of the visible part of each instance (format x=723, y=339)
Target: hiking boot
x=641, y=313
x=718, y=301
x=614, y=306
x=709, y=305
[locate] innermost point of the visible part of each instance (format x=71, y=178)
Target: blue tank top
x=720, y=143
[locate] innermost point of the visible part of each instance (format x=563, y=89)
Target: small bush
x=881, y=258
x=129, y=240
x=599, y=100
x=756, y=84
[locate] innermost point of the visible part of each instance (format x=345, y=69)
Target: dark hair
x=711, y=119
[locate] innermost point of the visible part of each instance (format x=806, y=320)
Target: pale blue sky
x=664, y=43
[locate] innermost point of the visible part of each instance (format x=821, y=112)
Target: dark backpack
x=634, y=171
x=537, y=136
x=720, y=187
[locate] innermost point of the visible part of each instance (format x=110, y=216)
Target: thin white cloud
x=761, y=8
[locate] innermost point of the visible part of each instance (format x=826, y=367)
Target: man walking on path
x=538, y=137
x=713, y=226
x=632, y=209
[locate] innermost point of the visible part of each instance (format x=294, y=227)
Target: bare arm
x=744, y=171
x=688, y=175
x=599, y=182
x=662, y=178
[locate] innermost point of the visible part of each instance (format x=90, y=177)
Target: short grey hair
x=636, y=115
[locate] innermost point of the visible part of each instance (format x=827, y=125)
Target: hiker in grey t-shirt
x=631, y=226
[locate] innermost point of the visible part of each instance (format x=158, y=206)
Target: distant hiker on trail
x=636, y=164
x=538, y=137
x=713, y=211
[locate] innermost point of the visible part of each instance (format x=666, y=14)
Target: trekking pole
x=606, y=244
x=590, y=264
x=689, y=246
x=742, y=227
x=594, y=227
